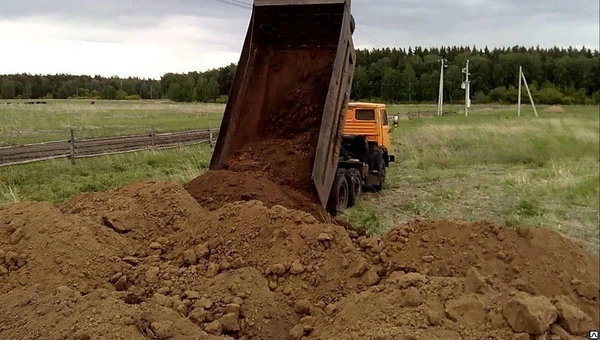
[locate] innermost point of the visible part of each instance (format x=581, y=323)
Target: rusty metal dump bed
x=286, y=43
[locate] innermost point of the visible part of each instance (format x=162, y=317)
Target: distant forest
x=555, y=75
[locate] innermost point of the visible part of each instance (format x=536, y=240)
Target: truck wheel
x=381, y=174
x=341, y=193
x=354, y=179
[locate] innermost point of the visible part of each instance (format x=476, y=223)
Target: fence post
x=152, y=133
x=210, y=134
x=72, y=141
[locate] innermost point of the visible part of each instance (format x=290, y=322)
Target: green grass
x=491, y=165
x=21, y=124
x=495, y=166
x=57, y=180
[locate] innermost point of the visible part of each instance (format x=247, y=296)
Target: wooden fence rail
x=74, y=148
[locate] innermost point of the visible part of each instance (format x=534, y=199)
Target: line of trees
x=63, y=86
x=210, y=86
x=555, y=75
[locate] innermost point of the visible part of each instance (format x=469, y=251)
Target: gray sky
x=148, y=38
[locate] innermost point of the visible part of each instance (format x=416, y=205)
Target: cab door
x=385, y=131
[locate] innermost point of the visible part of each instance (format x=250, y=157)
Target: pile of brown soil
x=215, y=188
x=147, y=262
x=285, y=147
x=276, y=165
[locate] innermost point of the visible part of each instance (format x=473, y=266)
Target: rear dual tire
x=381, y=174
x=339, y=196
x=347, y=190
x=355, y=182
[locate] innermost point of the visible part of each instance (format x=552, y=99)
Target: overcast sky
x=148, y=38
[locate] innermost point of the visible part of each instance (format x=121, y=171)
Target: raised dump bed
x=286, y=109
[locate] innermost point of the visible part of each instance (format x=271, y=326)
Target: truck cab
x=365, y=153
x=371, y=120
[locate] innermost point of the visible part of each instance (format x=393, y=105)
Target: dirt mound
x=533, y=260
x=165, y=268
x=215, y=188
x=554, y=109
x=142, y=211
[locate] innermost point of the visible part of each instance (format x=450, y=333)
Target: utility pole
x=523, y=80
x=441, y=91
x=409, y=96
x=467, y=87
x=520, y=84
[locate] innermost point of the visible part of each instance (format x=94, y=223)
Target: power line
x=249, y=4
x=359, y=33
x=362, y=36
x=375, y=41
x=236, y=3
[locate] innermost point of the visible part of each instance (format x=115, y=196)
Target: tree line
x=397, y=75
x=555, y=75
x=64, y=86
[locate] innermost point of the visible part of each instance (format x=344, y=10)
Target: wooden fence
x=83, y=148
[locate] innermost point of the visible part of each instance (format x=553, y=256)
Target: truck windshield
x=365, y=114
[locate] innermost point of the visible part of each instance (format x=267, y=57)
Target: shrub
x=222, y=99
x=580, y=97
x=512, y=95
x=498, y=94
x=596, y=97
x=568, y=101
x=551, y=96
x=481, y=98
x=121, y=94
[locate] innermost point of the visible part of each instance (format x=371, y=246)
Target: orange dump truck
x=366, y=152
x=294, y=79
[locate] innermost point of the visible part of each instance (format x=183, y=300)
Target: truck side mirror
x=396, y=119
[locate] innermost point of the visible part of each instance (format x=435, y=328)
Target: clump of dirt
x=287, y=162
x=554, y=109
x=215, y=188
x=147, y=262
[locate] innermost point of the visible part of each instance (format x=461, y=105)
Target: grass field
x=498, y=167
x=491, y=165
x=22, y=124
x=57, y=180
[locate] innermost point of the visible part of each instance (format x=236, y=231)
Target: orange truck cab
x=366, y=151
x=371, y=120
